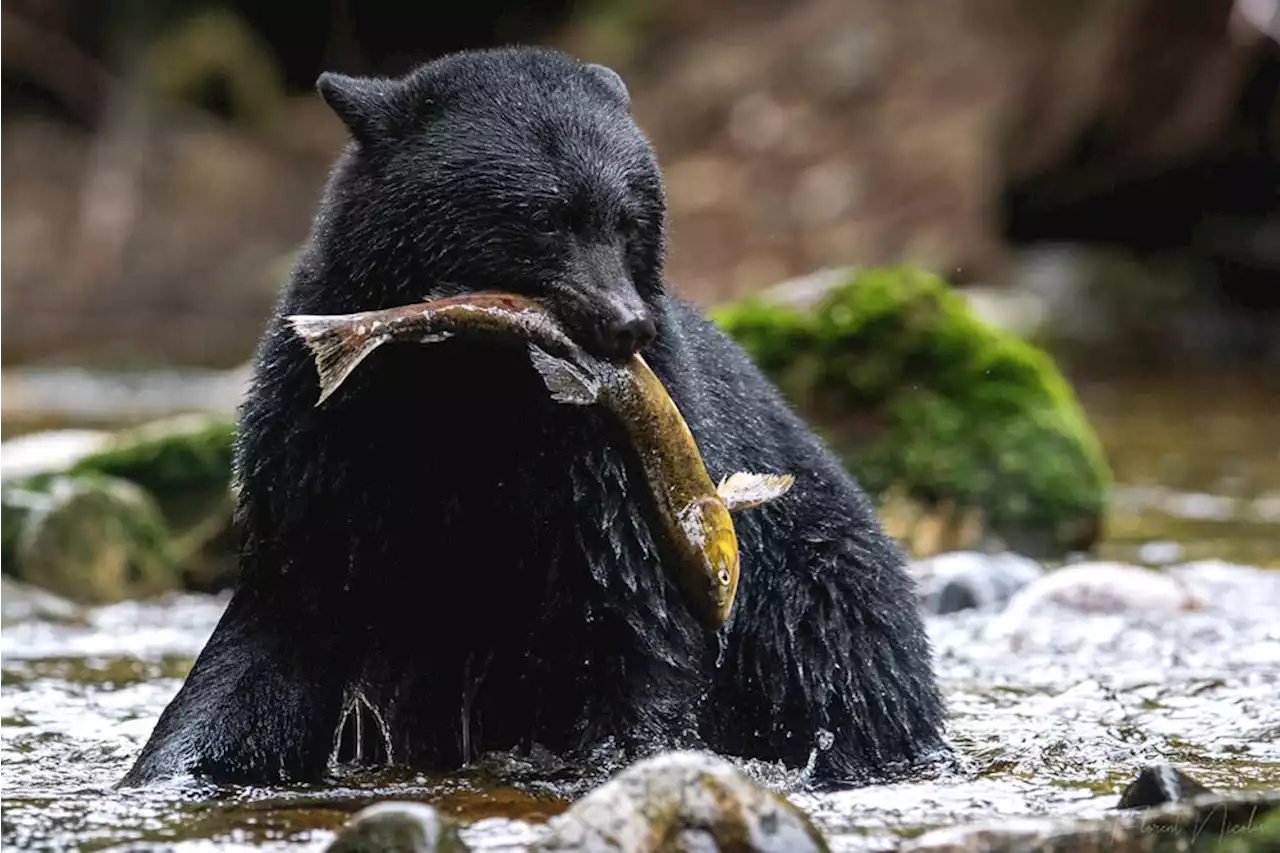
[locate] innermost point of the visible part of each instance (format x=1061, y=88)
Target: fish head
x=720, y=560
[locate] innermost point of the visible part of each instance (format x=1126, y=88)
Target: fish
x=696, y=513
x=340, y=342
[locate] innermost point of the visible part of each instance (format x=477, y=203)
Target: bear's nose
x=627, y=334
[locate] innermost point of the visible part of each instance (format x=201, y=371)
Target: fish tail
x=335, y=346
x=567, y=382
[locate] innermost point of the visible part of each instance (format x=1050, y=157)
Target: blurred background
x=162, y=159
x=1102, y=176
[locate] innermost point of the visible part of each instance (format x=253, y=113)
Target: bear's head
x=517, y=169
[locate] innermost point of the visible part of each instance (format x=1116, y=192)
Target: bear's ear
x=366, y=105
x=612, y=80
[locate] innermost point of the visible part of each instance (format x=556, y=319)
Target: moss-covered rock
x=156, y=499
x=89, y=538
x=920, y=396
x=185, y=462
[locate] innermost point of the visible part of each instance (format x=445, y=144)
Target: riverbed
x=1053, y=709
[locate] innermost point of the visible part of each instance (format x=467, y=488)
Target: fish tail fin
x=567, y=382
x=742, y=490
x=336, y=348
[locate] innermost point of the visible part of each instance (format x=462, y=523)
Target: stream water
x=1053, y=709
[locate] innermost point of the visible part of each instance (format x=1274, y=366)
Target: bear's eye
x=544, y=223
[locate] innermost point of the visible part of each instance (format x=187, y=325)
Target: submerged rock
x=682, y=802
x=398, y=828
x=920, y=395
x=964, y=580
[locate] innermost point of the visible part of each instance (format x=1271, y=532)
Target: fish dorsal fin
x=567, y=382
x=742, y=490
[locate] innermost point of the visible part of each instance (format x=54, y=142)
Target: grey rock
x=964, y=580
x=395, y=827
x=682, y=802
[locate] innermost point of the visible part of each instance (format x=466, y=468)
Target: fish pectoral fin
x=567, y=382
x=743, y=490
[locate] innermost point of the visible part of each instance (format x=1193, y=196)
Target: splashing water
x=1051, y=715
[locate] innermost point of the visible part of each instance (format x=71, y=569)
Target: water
x=1052, y=711
x=1197, y=465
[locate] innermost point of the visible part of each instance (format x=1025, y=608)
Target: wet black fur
x=441, y=529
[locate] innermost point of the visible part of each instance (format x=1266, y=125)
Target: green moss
x=914, y=390
x=91, y=539
x=13, y=512
x=184, y=462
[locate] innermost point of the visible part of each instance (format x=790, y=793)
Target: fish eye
x=723, y=577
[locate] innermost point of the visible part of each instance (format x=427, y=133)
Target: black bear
x=465, y=563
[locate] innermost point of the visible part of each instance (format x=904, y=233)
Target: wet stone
x=393, y=827
x=1104, y=587
x=966, y=580
x=1158, y=785
x=682, y=802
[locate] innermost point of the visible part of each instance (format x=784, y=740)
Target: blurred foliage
x=613, y=31
x=915, y=392
x=216, y=51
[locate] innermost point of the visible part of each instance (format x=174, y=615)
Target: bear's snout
x=625, y=334
x=602, y=307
